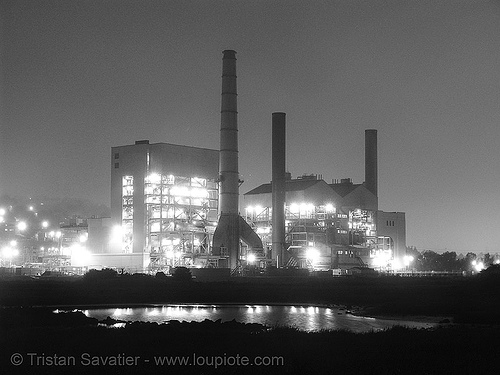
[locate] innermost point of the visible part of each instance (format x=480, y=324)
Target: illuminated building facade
x=164, y=201
x=327, y=225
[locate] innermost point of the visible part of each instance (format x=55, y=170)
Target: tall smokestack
x=371, y=164
x=231, y=226
x=228, y=156
x=278, y=186
x=227, y=234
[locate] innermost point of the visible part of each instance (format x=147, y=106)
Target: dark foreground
x=71, y=343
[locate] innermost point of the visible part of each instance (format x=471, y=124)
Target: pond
x=303, y=317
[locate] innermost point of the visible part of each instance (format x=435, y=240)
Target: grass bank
x=72, y=343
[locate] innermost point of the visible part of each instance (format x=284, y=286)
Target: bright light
x=181, y=191
x=497, y=261
x=294, y=208
x=263, y=230
x=479, y=266
x=312, y=254
x=6, y=251
x=79, y=255
x=396, y=264
x=381, y=258
x=22, y=226
x=258, y=209
x=250, y=209
x=199, y=193
x=58, y=234
x=329, y=207
x=251, y=258
x=116, y=234
x=154, y=178
x=83, y=238
x=45, y=224
x=13, y=243
x=407, y=259
x=2, y=211
x=9, y=252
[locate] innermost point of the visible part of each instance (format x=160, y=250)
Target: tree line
x=428, y=260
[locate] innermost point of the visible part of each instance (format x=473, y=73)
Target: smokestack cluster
x=278, y=186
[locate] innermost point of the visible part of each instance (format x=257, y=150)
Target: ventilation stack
x=371, y=163
x=231, y=227
x=278, y=187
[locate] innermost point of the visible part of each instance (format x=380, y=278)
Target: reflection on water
x=306, y=318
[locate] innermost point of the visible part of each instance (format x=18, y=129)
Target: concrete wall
x=393, y=224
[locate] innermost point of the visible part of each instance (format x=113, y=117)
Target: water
x=305, y=318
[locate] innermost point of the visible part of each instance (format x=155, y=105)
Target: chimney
x=231, y=226
x=278, y=186
x=226, y=240
x=228, y=155
x=371, y=165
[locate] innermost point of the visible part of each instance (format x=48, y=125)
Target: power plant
x=175, y=205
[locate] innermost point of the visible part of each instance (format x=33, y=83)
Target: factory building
x=326, y=226
x=164, y=201
x=324, y=231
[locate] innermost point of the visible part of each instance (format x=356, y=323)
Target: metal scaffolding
x=329, y=232
x=181, y=216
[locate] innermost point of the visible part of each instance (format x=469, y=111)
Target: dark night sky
x=79, y=77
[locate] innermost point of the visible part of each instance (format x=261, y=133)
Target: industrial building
x=164, y=201
x=322, y=230
x=325, y=225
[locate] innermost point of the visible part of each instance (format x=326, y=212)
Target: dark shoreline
x=468, y=346
x=465, y=300
x=452, y=349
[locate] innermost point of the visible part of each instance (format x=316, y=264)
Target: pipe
x=278, y=186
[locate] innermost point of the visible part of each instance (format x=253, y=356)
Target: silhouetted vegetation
x=428, y=260
x=493, y=270
x=446, y=350
x=100, y=275
x=182, y=274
